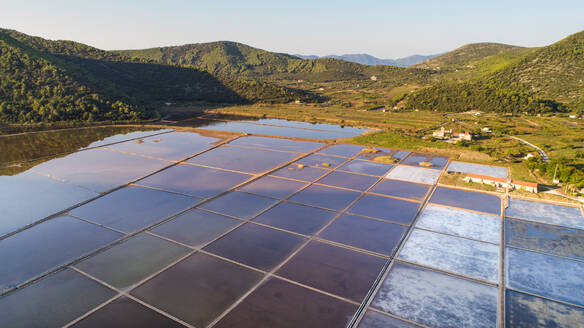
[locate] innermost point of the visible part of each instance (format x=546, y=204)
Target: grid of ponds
x=190, y=230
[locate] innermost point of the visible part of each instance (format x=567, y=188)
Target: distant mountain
x=44, y=80
x=237, y=59
x=365, y=59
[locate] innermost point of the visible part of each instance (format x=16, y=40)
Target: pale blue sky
x=387, y=29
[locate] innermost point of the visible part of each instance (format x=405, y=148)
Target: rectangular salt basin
x=311, y=126
x=414, y=174
x=401, y=189
x=545, y=238
x=273, y=187
x=545, y=275
x=171, y=146
x=281, y=131
x=125, y=312
x=132, y=260
x=377, y=320
x=239, y=204
x=372, y=235
x=488, y=170
x=462, y=223
x=198, y=288
x=471, y=258
x=470, y=200
x=416, y=159
x=524, y=310
x=195, y=227
x=52, y=301
x=132, y=208
x=243, y=159
x=28, y=197
x=276, y=144
x=333, y=269
x=342, y=150
x=366, y=167
x=100, y=169
x=566, y=216
x=194, y=180
x=277, y=303
x=436, y=299
x=48, y=245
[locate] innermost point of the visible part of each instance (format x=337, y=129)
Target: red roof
x=515, y=182
x=486, y=177
x=523, y=183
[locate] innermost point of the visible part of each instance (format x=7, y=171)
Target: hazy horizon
x=379, y=28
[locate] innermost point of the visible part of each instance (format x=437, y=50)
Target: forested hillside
x=45, y=80
x=540, y=80
x=236, y=59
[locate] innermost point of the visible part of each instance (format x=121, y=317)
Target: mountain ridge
x=367, y=59
x=46, y=80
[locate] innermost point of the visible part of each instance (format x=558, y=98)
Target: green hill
x=555, y=71
x=468, y=54
x=540, y=80
x=45, y=80
x=236, y=59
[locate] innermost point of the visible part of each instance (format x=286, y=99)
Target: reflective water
x=365, y=167
x=27, y=147
x=461, y=223
x=194, y=180
x=414, y=174
x=99, y=169
x=305, y=173
x=436, y=299
x=45, y=246
x=195, y=227
x=416, y=159
x=285, y=129
x=471, y=258
x=348, y=180
x=401, y=189
x=295, y=217
x=371, y=235
x=391, y=209
x=524, y=310
x=243, y=159
x=277, y=144
x=326, y=197
x=53, y=301
x=171, y=146
x=322, y=161
x=29, y=197
x=124, y=312
x=342, y=150
x=469, y=200
x=239, y=204
x=133, y=208
x=256, y=246
x=333, y=269
x=280, y=304
x=571, y=217
x=545, y=238
x=273, y=187
x=198, y=288
x=377, y=320
x=545, y=275
x=133, y=260
x=488, y=170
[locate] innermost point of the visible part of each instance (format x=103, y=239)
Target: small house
x=502, y=183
